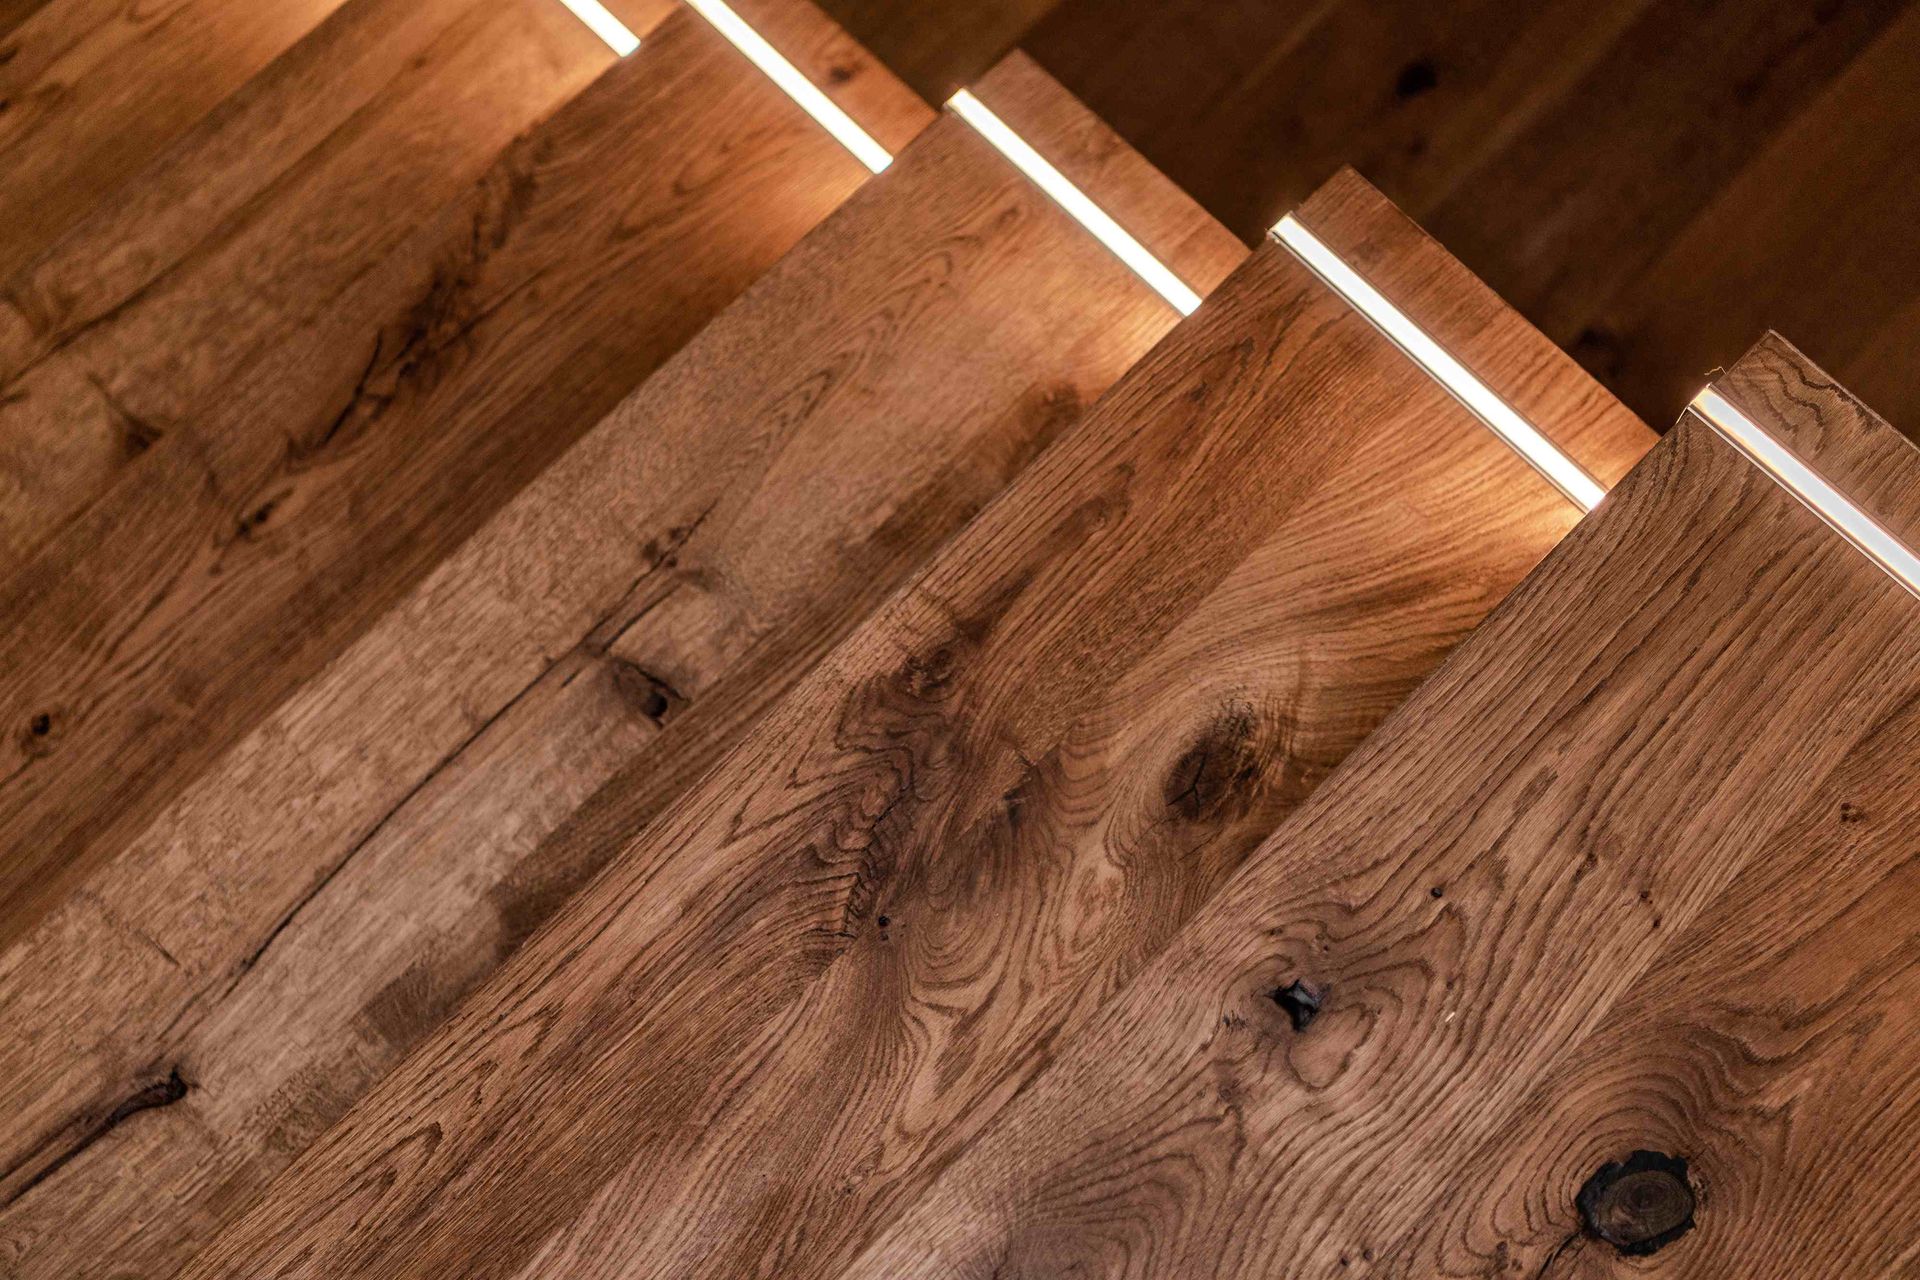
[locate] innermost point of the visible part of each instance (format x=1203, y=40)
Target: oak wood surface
x=1771, y=1043
x=1577, y=814
x=259, y=219
x=91, y=88
x=1650, y=181
x=938, y=48
x=786, y=1004
x=1813, y=235
x=238, y=555
x=813, y=445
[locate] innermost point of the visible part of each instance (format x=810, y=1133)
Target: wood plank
x=1470, y=321
x=1305, y=1074
x=1773, y=1053
x=242, y=552
x=92, y=89
x=794, y=997
x=247, y=230
x=937, y=48
x=810, y=448
x=1814, y=234
x=1623, y=172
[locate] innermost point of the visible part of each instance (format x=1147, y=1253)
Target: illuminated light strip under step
x=1076, y=202
x=1786, y=469
x=601, y=21
x=1522, y=436
x=795, y=85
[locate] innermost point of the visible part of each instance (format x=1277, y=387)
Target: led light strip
x=1522, y=436
x=603, y=24
x=1784, y=467
x=1075, y=201
x=793, y=84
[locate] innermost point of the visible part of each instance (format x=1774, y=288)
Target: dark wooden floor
x=1652, y=182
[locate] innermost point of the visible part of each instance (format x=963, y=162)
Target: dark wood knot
x=1300, y=1002
x=1639, y=1205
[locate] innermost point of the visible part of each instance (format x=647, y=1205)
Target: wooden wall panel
x=1323, y=1066
x=626, y=617
x=788, y=1002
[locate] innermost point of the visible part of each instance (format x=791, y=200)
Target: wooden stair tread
x=245, y=549
x=1602, y=884
x=625, y=617
x=784, y=1005
x=231, y=243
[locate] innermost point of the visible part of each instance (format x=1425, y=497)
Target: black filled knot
x=1300, y=1002
x=1639, y=1205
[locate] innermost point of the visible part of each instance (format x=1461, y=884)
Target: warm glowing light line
x=793, y=84
x=1075, y=201
x=1522, y=436
x=603, y=24
x=1842, y=515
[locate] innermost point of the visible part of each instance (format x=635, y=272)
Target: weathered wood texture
x=793, y=998
x=1650, y=182
x=627, y=616
x=90, y=89
x=243, y=550
x=1774, y=1048
x=228, y=245
x=1529, y=929
x=938, y=47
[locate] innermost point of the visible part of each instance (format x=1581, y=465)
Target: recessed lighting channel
x=1868, y=536
x=1522, y=436
x=1075, y=201
x=601, y=21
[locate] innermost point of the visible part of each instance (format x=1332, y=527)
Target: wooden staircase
x=619, y=696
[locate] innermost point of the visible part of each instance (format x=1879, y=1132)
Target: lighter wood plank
x=1470, y=321
x=813, y=445
x=240, y=555
x=1771, y=1046
x=792, y=999
x=1501, y=866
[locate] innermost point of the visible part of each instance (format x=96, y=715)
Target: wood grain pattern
x=788, y=1002
x=164, y=301
x=1650, y=181
x=1772, y=1042
x=937, y=48
x=236, y=557
x=1677, y=692
x=90, y=89
x=1813, y=235
x=814, y=444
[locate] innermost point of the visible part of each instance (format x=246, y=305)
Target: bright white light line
x=1868, y=536
x=1522, y=436
x=609, y=28
x=1069, y=197
x=793, y=84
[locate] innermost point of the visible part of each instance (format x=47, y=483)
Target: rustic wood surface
x=91, y=88
x=1772, y=1043
x=236, y=557
x=788, y=1002
x=1652, y=183
x=1457, y=981
x=163, y=312
x=817, y=442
